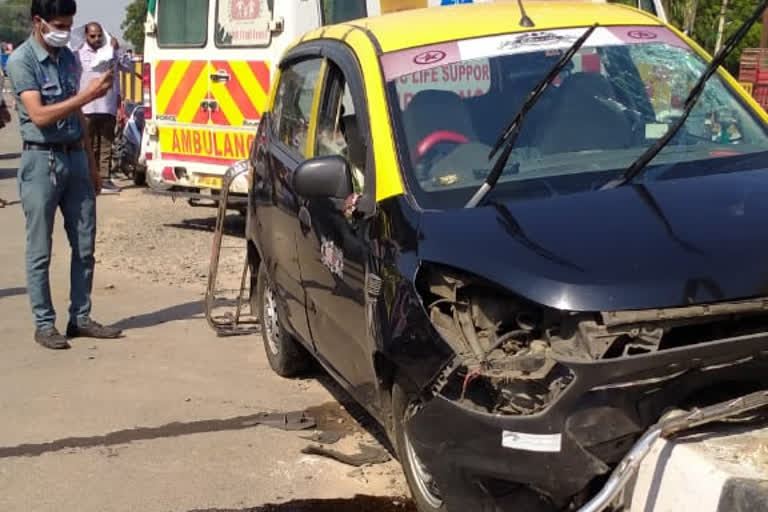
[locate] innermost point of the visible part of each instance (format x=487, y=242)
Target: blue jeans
x=41, y=194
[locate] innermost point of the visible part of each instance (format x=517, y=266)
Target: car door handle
x=220, y=76
x=305, y=220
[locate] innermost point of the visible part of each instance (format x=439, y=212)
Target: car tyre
x=140, y=176
x=286, y=356
x=424, y=491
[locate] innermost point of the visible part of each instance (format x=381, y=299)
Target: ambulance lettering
x=205, y=146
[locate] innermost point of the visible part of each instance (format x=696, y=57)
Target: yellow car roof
x=418, y=27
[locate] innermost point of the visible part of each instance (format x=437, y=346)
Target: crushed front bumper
x=563, y=455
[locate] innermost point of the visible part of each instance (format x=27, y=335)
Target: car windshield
x=618, y=95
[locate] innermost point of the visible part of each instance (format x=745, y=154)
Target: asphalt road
x=170, y=418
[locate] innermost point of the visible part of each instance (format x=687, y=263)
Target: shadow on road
x=358, y=503
x=12, y=292
x=170, y=314
x=234, y=225
x=289, y=421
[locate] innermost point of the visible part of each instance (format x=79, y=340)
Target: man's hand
x=94, y=168
x=98, y=87
x=115, y=44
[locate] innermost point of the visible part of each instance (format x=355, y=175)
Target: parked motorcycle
x=128, y=143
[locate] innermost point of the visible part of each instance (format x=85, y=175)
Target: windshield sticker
x=397, y=64
x=429, y=57
x=639, y=35
x=467, y=79
x=414, y=60
x=511, y=44
x=536, y=39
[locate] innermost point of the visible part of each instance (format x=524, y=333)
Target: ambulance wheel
x=139, y=177
x=286, y=356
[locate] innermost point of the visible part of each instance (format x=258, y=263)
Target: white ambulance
x=208, y=65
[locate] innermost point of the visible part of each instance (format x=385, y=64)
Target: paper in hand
x=105, y=56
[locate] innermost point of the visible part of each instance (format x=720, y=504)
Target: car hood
x=665, y=244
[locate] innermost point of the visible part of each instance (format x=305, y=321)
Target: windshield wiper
x=639, y=165
x=510, y=133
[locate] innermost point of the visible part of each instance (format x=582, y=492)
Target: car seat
x=581, y=119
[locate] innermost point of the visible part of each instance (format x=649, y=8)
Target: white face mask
x=56, y=38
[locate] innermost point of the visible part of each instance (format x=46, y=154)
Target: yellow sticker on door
x=202, y=145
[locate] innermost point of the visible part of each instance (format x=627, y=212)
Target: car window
x=293, y=103
x=616, y=97
x=182, y=22
x=338, y=129
x=243, y=23
x=336, y=11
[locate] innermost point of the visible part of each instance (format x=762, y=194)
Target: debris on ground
x=324, y=437
x=367, y=455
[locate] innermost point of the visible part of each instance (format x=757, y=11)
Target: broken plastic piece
x=368, y=455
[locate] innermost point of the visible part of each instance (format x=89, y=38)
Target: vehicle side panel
x=273, y=210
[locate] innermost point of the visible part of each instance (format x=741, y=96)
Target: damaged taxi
x=517, y=237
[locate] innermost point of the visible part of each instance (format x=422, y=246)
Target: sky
x=109, y=13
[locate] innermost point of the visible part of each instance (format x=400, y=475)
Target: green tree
x=701, y=19
x=133, y=24
x=705, y=32
x=15, y=23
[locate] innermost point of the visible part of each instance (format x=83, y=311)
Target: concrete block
x=723, y=472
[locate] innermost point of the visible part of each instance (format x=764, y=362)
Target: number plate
x=209, y=181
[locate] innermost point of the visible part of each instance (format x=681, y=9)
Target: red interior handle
x=437, y=137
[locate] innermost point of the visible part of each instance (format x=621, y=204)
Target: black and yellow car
x=516, y=238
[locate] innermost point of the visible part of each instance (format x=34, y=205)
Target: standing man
x=5, y=117
x=56, y=171
x=100, y=114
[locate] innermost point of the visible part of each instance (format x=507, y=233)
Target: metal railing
x=229, y=324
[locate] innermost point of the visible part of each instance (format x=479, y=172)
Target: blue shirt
x=32, y=68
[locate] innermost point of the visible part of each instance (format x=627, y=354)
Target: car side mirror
x=323, y=177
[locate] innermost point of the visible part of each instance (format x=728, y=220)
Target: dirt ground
x=171, y=418
x=168, y=241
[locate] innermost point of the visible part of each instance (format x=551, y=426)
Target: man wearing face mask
x=56, y=171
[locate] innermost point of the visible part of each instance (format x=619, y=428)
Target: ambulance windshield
x=619, y=94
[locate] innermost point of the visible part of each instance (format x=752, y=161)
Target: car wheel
x=424, y=490
x=139, y=177
x=286, y=356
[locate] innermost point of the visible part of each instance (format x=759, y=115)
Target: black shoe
x=92, y=330
x=51, y=338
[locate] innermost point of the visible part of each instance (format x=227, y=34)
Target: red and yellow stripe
x=244, y=96
x=183, y=85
